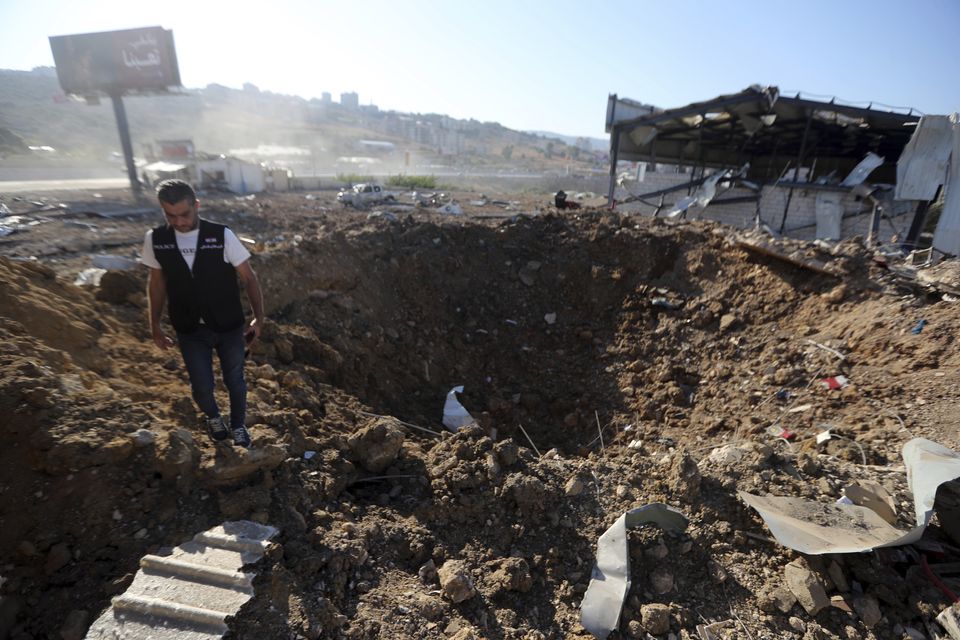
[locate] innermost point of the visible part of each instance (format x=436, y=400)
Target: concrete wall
x=242, y=177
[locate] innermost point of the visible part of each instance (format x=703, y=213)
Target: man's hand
x=252, y=334
x=161, y=339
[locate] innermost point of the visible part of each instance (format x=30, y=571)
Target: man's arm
x=156, y=297
x=255, y=295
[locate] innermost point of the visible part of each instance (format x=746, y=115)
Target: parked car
x=365, y=194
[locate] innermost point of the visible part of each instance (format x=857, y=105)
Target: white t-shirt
x=233, y=250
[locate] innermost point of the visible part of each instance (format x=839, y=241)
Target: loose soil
x=629, y=350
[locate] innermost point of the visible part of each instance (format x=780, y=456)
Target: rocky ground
x=645, y=361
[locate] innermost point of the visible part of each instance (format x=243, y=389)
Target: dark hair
x=173, y=191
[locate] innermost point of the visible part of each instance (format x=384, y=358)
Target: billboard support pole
x=124, y=128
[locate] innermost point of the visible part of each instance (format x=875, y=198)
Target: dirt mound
x=644, y=362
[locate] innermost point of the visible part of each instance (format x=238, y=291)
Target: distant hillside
x=584, y=142
x=219, y=119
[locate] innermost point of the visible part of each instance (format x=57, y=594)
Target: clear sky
x=545, y=65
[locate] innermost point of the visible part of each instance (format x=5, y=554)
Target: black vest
x=209, y=293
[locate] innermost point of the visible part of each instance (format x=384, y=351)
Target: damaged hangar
x=789, y=164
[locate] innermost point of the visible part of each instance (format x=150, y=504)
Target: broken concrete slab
x=816, y=528
x=188, y=592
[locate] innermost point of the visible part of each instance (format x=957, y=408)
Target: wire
x=937, y=582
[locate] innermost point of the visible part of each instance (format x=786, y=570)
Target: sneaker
x=241, y=437
x=218, y=430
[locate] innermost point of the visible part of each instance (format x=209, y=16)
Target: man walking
x=194, y=265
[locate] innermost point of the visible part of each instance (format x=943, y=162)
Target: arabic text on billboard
x=128, y=60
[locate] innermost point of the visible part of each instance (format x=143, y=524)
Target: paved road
x=26, y=186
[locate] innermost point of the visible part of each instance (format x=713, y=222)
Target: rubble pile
x=609, y=361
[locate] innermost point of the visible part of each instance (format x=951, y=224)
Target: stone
x=726, y=455
x=377, y=444
x=656, y=618
x=839, y=578
x=803, y=583
x=783, y=599
x=836, y=295
x=455, y=581
x=949, y=619
x=797, y=624
x=840, y=602
x=57, y=558
x=428, y=572
x=143, y=438
x=465, y=633
x=684, y=477
x=26, y=548
x=574, y=487
x=727, y=320
x=717, y=573
x=868, y=609
x=513, y=575
x=661, y=580
x=507, y=451
x=429, y=607
x=75, y=626
x=226, y=470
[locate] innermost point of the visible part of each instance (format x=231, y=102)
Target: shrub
x=412, y=182
x=353, y=178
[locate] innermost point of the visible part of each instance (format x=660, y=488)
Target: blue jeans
x=197, y=349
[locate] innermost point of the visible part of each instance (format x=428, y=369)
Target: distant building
x=326, y=98
x=376, y=146
x=350, y=100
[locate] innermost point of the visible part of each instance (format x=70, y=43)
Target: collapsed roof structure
x=757, y=143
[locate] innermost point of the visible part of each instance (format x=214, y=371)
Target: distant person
x=561, y=202
x=194, y=263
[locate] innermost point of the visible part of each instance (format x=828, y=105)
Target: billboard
x=131, y=60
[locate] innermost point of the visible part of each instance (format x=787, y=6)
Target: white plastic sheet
x=455, y=415
x=610, y=581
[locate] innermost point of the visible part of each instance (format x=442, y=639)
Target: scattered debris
x=114, y=263
x=816, y=528
x=450, y=209
x=455, y=415
x=610, y=581
x=835, y=382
